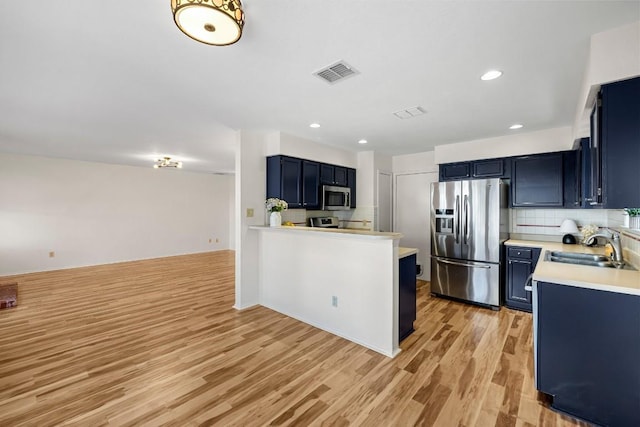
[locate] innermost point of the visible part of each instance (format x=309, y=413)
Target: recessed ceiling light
x=314, y=125
x=491, y=74
x=516, y=126
x=362, y=141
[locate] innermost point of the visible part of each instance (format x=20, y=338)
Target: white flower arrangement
x=588, y=231
x=274, y=204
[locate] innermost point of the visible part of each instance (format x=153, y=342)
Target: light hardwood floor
x=157, y=342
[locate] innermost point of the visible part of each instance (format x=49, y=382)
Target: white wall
x=251, y=182
x=413, y=175
x=322, y=265
x=298, y=147
x=614, y=55
x=544, y=141
x=95, y=213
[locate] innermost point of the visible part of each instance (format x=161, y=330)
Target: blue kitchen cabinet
x=333, y=175
x=537, y=181
x=351, y=183
x=477, y=169
x=284, y=179
x=587, y=352
x=310, y=184
x=619, y=145
x=406, y=295
x=455, y=171
x=521, y=262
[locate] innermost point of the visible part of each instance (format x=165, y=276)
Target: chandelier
x=214, y=22
x=166, y=162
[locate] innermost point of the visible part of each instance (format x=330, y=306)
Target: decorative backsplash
x=547, y=221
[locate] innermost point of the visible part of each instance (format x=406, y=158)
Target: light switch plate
x=249, y=212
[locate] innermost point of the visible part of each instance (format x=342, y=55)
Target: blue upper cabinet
x=333, y=175
x=477, y=169
x=284, y=179
x=537, y=181
x=298, y=181
x=310, y=184
x=619, y=144
x=455, y=171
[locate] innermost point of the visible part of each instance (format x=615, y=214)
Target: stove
x=324, y=222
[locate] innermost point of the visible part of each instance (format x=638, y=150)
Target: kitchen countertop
x=335, y=231
x=598, y=278
x=405, y=252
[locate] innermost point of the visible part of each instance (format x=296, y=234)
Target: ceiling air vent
x=409, y=113
x=336, y=72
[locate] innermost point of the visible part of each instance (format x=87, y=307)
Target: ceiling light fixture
x=516, y=126
x=362, y=141
x=214, y=22
x=314, y=125
x=491, y=74
x=166, y=162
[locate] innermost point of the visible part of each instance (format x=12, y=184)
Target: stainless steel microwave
x=336, y=198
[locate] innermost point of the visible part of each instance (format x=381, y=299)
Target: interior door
x=385, y=214
x=412, y=207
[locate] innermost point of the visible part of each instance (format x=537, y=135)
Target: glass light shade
x=214, y=22
x=568, y=226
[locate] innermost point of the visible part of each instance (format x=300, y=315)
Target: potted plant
x=274, y=207
x=634, y=217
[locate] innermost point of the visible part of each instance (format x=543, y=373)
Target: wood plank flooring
x=157, y=342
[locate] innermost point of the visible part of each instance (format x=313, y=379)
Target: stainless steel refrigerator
x=469, y=223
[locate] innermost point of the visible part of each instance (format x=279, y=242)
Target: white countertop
x=583, y=276
x=405, y=252
x=335, y=231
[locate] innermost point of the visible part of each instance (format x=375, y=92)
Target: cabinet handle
x=528, y=288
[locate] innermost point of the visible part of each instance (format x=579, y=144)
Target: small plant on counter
x=274, y=204
x=632, y=211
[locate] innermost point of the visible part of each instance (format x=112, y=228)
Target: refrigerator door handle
x=461, y=264
x=457, y=220
x=466, y=219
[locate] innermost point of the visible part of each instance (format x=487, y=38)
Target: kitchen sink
x=592, y=260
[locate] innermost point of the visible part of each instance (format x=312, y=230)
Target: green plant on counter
x=632, y=211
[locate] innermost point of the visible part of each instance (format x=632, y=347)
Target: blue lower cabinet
x=406, y=296
x=588, y=353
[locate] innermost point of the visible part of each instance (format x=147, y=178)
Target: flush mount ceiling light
x=491, y=74
x=362, y=141
x=214, y=22
x=516, y=126
x=166, y=162
x=314, y=125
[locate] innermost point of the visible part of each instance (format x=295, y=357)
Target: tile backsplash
x=547, y=221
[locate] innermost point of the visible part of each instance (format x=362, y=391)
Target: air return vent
x=409, y=113
x=336, y=72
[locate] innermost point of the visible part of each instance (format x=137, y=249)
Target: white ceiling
x=117, y=82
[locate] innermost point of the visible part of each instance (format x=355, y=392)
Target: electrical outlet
x=209, y=240
x=217, y=240
x=334, y=301
x=249, y=212
x=52, y=254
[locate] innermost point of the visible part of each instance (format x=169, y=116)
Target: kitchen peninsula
x=342, y=281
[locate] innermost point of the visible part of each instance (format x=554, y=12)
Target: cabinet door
x=326, y=174
x=587, y=352
x=537, y=181
x=620, y=144
x=518, y=272
x=406, y=295
x=571, y=173
x=493, y=168
x=340, y=176
x=291, y=174
x=454, y=171
x=351, y=183
x=310, y=184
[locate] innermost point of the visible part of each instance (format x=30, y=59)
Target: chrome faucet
x=614, y=240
